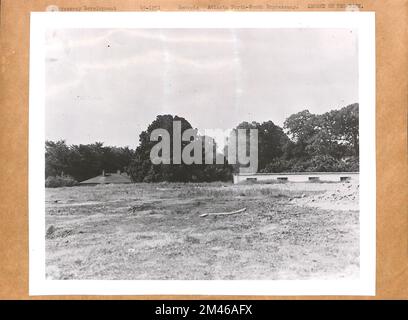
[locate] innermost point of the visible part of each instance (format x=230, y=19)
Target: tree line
x=326, y=142
x=80, y=162
x=307, y=142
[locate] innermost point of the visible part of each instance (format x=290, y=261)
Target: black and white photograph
x=200, y=150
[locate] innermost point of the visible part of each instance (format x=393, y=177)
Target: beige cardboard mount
x=391, y=131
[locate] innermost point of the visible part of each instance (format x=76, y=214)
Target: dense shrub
x=84, y=161
x=320, y=163
x=352, y=164
x=279, y=165
x=324, y=163
x=60, y=181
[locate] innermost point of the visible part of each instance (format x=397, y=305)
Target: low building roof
x=109, y=178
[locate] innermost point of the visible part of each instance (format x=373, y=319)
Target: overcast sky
x=108, y=84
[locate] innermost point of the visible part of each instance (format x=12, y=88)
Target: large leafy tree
x=142, y=168
x=86, y=160
x=57, y=158
x=334, y=133
x=301, y=126
x=346, y=127
x=271, y=141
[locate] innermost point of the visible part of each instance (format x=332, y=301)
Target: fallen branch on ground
x=222, y=213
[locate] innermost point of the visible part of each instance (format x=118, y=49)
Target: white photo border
x=363, y=22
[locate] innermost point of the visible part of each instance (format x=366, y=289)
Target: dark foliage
x=60, y=181
x=142, y=169
x=326, y=142
x=84, y=161
x=271, y=142
x=308, y=142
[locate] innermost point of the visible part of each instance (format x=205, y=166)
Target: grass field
x=154, y=231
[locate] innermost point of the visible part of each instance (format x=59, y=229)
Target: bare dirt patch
x=339, y=196
x=154, y=231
